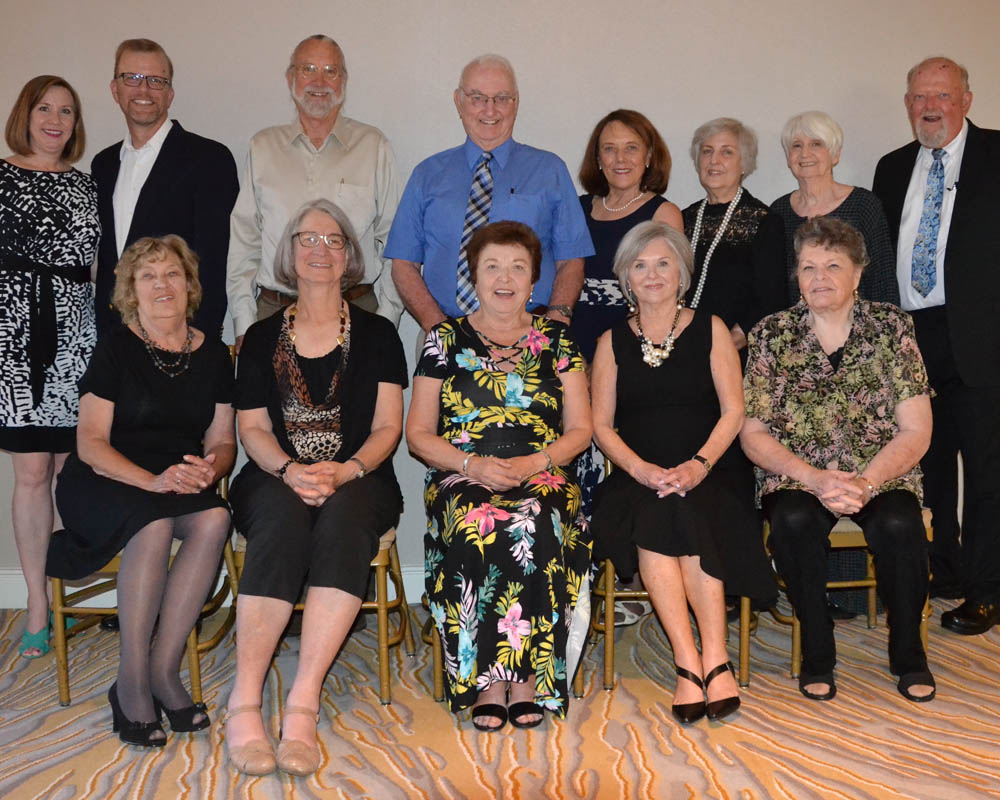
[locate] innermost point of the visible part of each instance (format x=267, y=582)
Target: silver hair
x=284, y=256
x=746, y=137
x=962, y=71
x=638, y=239
x=489, y=60
x=815, y=125
x=318, y=37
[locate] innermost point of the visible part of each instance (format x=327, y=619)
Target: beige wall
x=681, y=63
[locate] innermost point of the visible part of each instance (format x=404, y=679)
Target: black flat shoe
x=911, y=679
x=827, y=678
x=516, y=711
x=972, y=617
x=838, y=612
x=717, y=709
x=489, y=710
x=182, y=719
x=687, y=713
x=140, y=734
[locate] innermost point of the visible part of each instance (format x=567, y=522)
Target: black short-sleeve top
x=158, y=419
x=375, y=356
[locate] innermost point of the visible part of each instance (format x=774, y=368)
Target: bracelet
x=465, y=464
x=548, y=459
x=566, y=311
x=872, y=491
x=284, y=467
x=362, y=469
x=703, y=461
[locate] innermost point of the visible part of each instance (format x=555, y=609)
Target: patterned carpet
x=867, y=743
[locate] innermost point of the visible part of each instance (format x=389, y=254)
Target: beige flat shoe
x=256, y=757
x=296, y=757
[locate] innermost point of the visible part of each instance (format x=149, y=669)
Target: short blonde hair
x=815, y=125
x=142, y=252
x=638, y=239
x=34, y=90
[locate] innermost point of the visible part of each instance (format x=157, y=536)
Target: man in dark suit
x=941, y=195
x=161, y=179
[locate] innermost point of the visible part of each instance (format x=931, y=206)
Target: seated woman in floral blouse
x=837, y=418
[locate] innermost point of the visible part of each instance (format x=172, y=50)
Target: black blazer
x=190, y=191
x=972, y=254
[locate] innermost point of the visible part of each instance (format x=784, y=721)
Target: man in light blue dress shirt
x=529, y=185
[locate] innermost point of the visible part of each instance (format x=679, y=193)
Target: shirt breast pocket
x=529, y=209
x=358, y=202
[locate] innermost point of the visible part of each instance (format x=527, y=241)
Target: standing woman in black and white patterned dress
x=48, y=237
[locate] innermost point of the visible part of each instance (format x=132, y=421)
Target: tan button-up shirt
x=355, y=168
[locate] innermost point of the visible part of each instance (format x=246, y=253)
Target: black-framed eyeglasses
x=154, y=82
x=329, y=71
x=334, y=241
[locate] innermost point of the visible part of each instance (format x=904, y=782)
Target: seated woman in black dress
x=155, y=434
x=667, y=407
x=499, y=408
x=320, y=400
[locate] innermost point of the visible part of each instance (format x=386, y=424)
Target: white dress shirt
x=136, y=165
x=354, y=167
x=913, y=207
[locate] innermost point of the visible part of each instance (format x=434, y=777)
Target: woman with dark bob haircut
x=319, y=396
x=48, y=236
x=499, y=408
x=155, y=435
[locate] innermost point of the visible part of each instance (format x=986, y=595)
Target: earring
x=855, y=295
x=630, y=298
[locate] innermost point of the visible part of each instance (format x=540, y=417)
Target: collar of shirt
x=500, y=153
x=152, y=146
x=340, y=133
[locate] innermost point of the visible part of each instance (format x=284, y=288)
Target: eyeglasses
x=479, y=100
x=152, y=81
x=334, y=241
x=330, y=71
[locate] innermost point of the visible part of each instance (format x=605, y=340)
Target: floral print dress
x=503, y=569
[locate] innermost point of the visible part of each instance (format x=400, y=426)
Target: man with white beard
x=322, y=154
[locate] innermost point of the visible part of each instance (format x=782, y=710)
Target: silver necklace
x=169, y=368
x=715, y=242
x=604, y=202
x=654, y=354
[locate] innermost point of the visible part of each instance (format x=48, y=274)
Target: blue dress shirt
x=529, y=185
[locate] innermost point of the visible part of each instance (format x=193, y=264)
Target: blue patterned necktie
x=477, y=214
x=923, y=273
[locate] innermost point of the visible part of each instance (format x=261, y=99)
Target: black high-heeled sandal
x=688, y=712
x=138, y=733
x=717, y=709
x=182, y=719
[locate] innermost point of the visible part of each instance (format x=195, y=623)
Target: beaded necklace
x=654, y=354
x=696, y=234
x=169, y=368
x=293, y=309
x=604, y=202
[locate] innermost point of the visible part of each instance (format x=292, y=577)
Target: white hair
x=489, y=60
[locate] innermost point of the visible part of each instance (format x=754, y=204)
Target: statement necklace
x=654, y=354
x=715, y=242
x=182, y=359
x=293, y=309
x=604, y=202
x=496, y=348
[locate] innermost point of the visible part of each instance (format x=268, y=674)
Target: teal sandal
x=34, y=641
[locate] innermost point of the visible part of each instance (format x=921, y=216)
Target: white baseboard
x=14, y=593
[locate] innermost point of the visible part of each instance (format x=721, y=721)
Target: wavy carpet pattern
x=867, y=743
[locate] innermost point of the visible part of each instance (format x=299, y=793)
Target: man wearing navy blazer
x=161, y=179
x=941, y=195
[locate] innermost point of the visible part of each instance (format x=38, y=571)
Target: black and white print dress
x=48, y=237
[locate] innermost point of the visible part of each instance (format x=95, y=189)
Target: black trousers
x=894, y=529
x=966, y=420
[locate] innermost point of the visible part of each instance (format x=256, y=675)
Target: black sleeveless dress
x=665, y=414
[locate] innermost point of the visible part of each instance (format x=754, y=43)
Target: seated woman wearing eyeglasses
x=319, y=397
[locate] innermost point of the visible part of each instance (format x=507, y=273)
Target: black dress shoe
x=946, y=591
x=109, y=623
x=972, y=617
x=717, y=709
x=837, y=612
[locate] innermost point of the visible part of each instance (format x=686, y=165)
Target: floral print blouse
x=833, y=419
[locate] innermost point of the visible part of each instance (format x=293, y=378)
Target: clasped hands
x=192, y=475
x=841, y=492
x=314, y=483
x=501, y=474
x=673, y=480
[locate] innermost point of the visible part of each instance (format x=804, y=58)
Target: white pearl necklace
x=604, y=202
x=654, y=354
x=715, y=242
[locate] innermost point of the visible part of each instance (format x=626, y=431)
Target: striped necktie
x=923, y=273
x=477, y=214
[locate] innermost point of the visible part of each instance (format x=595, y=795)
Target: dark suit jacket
x=972, y=254
x=190, y=191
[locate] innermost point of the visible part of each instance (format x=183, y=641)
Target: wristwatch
x=362, y=469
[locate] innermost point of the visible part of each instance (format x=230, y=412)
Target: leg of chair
x=578, y=681
x=404, y=609
x=924, y=619
x=872, y=594
x=796, y=646
x=381, y=592
x=744, y=677
x=438, y=667
x=194, y=665
x=59, y=632
x=609, y=624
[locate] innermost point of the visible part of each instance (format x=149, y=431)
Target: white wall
x=680, y=63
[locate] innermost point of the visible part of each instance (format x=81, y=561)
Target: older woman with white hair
x=667, y=405
x=738, y=243
x=812, y=142
x=319, y=396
